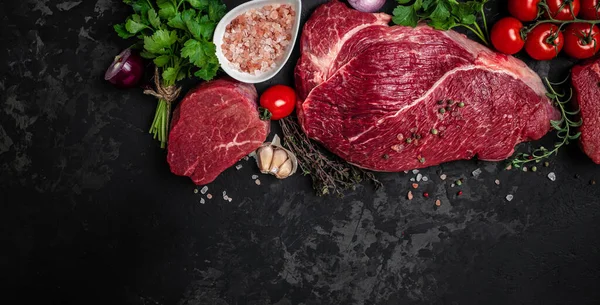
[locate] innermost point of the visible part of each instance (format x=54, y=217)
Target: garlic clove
x=264, y=158
x=285, y=170
x=279, y=157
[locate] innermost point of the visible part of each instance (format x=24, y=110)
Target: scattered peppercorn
x=440, y=102
x=415, y=185
x=422, y=160
x=459, y=193
x=438, y=202
x=461, y=104
x=448, y=108
x=426, y=195
x=593, y=182
x=418, y=136
x=409, y=140
x=434, y=131
x=458, y=182
x=442, y=110
x=546, y=164
x=450, y=102
x=385, y=157
x=524, y=168
x=534, y=169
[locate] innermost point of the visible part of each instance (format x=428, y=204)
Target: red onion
x=367, y=6
x=126, y=70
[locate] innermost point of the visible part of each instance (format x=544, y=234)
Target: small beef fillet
x=586, y=83
x=213, y=127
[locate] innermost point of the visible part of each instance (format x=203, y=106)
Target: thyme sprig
x=565, y=128
x=330, y=174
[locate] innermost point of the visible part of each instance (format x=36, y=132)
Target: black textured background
x=91, y=215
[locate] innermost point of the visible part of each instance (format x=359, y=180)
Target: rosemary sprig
x=565, y=128
x=330, y=174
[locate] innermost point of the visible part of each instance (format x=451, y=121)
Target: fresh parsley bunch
x=443, y=14
x=177, y=36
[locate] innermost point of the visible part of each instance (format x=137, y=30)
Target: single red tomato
x=524, y=10
x=590, y=9
x=564, y=9
x=581, y=40
x=280, y=100
x=544, y=42
x=506, y=35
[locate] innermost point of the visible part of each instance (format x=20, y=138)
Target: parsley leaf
x=122, y=31
x=442, y=14
x=133, y=26
x=162, y=60
x=160, y=41
x=153, y=19
x=216, y=10
x=166, y=9
x=198, y=4
x=405, y=15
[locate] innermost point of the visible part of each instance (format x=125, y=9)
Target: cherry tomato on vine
x=581, y=40
x=564, y=9
x=590, y=9
x=524, y=10
x=506, y=35
x=544, y=42
x=280, y=100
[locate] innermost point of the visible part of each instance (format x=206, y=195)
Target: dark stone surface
x=91, y=215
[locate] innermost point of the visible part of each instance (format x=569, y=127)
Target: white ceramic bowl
x=255, y=4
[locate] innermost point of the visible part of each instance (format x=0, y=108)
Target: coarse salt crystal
x=254, y=177
x=509, y=197
x=238, y=167
x=257, y=181
x=425, y=179
x=552, y=176
x=497, y=182
x=412, y=179
x=204, y=190
x=476, y=173
x=209, y=196
x=409, y=195
x=202, y=201
x=419, y=177
x=415, y=171
x=443, y=176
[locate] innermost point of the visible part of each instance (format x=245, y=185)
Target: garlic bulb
x=279, y=157
x=264, y=157
x=273, y=159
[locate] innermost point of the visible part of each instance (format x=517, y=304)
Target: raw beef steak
x=393, y=98
x=586, y=82
x=213, y=127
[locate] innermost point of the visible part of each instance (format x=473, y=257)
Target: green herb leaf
x=441, y=11
x=166, y=9
x=122, y=31
x=177, y=22
x=201, y=30
x=216, y=10
x=162, y=60
x=199, y=4
x=154, y=19
x=208, y=72
x=133, y=26
x=200, y=53
x=170, y=75
x=405, y=15
x=160, y=41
